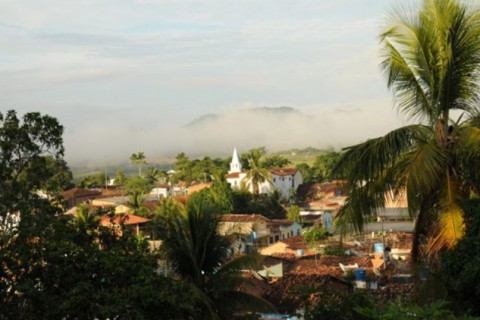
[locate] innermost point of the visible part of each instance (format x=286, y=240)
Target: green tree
x=138, y=160
x=137, y=187
x=307, y=172
x=183, y=168
x=85, y=220
x=152, y=175
x=24, y=146
x=60, y=175
x=324, y=164
x=432, y=58
x=199, y=254
x=275, y=162
x=93, y=181
x=50, y=271
x=256, y=174
x=460, y=268
x=120, y=178
x=293, y=213
x=252, y=153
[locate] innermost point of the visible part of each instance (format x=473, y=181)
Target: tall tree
x=138, y=160
x=23, y=147
x=432, y=58
x=199, y=254
x=256, y=175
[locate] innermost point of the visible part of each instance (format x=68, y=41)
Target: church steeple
x=235, y=165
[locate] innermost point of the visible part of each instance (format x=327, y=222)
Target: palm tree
x=85, y=220
x=197, y=252
x=138, y=160
x=432, y=60
x=256, y=174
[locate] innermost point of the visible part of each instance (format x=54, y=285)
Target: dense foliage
x=27, y=149
x=54, y=268
x=460, y=269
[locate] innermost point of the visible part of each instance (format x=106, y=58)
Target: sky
x=124, y=76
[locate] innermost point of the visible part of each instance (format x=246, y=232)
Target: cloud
x=241, y=128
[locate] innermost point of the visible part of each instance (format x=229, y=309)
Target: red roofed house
x=254, y=231
x=136, y=223
x=286, y=180
x=75, y=196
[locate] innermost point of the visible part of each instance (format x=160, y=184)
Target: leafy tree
x=324, y=164
x=199, y=254
x=60, y=175
x=275, y=162
x=307, y=172
x=50, y=271
x=120, y=178
x=315, y=235
x=183, y=167
x=436, y=310
x=138, y=160
x=136, y=188
x=93, y=181
x=23, y=147
x=293, y=213
x=432, y=59
x=266, y=205
x=218, y=199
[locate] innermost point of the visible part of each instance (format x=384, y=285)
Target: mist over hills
x=215, y=135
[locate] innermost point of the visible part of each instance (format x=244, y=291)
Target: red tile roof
x=282, y=222
x=284, y=171
x=198, y=187
x=80, y=193
x=233, y=175
x=243, y=218
x=129, y=219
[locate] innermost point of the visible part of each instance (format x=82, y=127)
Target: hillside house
x=76, y=196
x=135, y=223
x=250, y=232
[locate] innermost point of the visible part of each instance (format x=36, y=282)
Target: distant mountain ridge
x=259, y=111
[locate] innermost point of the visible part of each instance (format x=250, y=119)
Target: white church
x=285, y=180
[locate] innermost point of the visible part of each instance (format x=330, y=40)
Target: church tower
x=235, y=165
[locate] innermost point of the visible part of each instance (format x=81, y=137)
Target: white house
x=285, y=180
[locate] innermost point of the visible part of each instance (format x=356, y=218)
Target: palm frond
x=449, y=226
x=365, y=161
x=422, y=169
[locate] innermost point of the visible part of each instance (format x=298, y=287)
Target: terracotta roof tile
x=243, y=218
x=284, y=171
x=129, y=219
x=79, y=193
x=233, y=175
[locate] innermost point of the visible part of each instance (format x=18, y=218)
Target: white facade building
x=286, y=180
